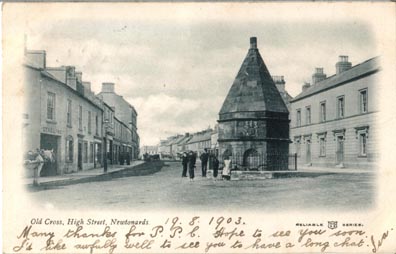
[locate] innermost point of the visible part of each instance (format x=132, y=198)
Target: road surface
x=166, y=189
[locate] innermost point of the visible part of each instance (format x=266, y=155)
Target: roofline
x=32, y=67
x=376, y=69
x=337, y=85
x=122, y=123
x=49, y=76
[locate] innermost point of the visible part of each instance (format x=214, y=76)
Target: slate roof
x=368, y=67
x=185, y=140
x=176, y=140
x=253, y=88
x=201, y=136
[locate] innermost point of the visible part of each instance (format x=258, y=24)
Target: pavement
x=81, y=175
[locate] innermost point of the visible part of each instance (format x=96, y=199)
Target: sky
x=177, y=73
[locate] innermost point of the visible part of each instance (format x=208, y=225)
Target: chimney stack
x=107, y=87
x=253, y=42
x=343, y=64
x=279, y=82
x=306, y=86
x=318, y=76
x=71, y=79
x=87, y=85
x=79, y=76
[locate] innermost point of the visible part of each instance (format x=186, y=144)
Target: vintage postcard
x=239, y=127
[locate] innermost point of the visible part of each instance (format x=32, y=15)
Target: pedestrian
x=215, y=167
x=191, y=164
x=226, y=174
x=37, y=170
x=204, y=162
x=184, y=163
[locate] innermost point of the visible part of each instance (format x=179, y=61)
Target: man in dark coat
x=204, y=162
x=215, y=166
x=184, y=163
x=191, y=164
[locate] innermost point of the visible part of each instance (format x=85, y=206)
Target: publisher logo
x=332, y=224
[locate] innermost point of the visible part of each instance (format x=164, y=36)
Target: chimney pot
x=253, y=42
x=342, y=64
x=108, y=87
x=305, y=86
x=318, y=75
x=319, y=70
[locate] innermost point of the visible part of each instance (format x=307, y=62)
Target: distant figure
x=184, y=163
x=191, y=164
x=204, y=162
x=215, y=166
x=227, y=168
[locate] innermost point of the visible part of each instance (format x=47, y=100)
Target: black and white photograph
x=190, y=108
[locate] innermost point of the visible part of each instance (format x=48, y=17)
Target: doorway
x=340, y=151
x=50, y=142
x=79, y=156
x=308, y=152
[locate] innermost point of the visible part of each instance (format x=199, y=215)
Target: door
x=79, y=157
x=340, y=150
x=308, y=152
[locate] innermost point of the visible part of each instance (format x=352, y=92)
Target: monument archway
x=251, y=159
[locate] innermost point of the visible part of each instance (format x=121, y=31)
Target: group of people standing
x=189, y=160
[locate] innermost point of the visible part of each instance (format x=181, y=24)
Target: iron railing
x=271, y=161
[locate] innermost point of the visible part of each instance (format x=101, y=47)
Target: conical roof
x=253, y=89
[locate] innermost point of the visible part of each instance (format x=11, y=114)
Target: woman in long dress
x=226, y=174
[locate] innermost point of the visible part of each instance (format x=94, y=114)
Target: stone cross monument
x=253, y=121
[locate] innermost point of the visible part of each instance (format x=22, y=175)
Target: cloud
x=177, y=74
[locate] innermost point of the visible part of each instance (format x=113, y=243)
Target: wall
x=353, y=118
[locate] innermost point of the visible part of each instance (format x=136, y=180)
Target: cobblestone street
x=166, y=189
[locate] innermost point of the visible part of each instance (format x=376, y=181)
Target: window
x=308, y=115
x=322, y=145
x=362, y=144
x=298, y=117
x=51, y=106
x=69, y=113
x=80, y=116
x=85, y=152
x=363, y=101
x=96, y=125
x=89, y=122
x=340, y=107
x=323, y=111
x=69, y=149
